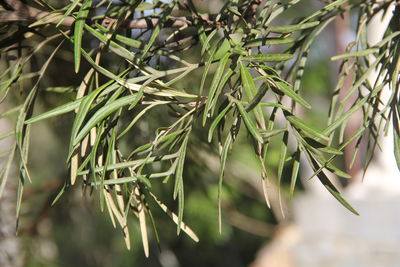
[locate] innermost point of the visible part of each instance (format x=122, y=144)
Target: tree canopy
x=156, y=77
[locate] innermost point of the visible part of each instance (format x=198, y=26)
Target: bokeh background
x=74, y=232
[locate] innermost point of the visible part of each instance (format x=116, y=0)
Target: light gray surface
x=332, y=236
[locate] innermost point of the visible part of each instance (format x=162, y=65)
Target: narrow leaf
x=330, y=187
x=295, y=171
x=68, y=107
x=268, y=57
x=249, y=123
x=299, y=123
x=396, y=147
x=217, y=120
x=78, y=32
x=223, y=157
x=268, y=41
x=103, y=113
x=287, y=90
x=292, y=28
x=173, y=216
x=356, y=54
x=214, y=85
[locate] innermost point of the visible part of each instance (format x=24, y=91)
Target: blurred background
x=314, y=231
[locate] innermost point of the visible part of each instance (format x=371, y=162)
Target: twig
x=24, y=12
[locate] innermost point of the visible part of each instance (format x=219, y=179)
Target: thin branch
x=24, y=12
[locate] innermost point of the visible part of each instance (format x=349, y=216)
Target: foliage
x=131, y=59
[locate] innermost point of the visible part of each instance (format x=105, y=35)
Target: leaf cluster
x=251, y=76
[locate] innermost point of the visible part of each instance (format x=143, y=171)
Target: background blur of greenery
x=75, y=233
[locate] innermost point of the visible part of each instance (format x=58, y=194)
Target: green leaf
x=72, y=6
x=234, y=10
x=295, y=170
x=267, y=134
x=277, y=10
x=341, y=147
x=123, y=180
x=314, y=144
x=286, y=90
x=103, y=113
x=330, y=150
x=225, y=78
x=155, y=33
x=60, y=89
x=268, y=57
x=267, y=41
x=249, y=122
x=139, y=115
x=330, y=187
x=247, y=81
x=356, y=54
x=115, y=47
x=396, y=147
x=273, y=105
x=254, y=103
x=173, y=216
x=78, y=32
x=325, y=9
x=22, y=130
x=339, y=197
x=223, y=157
x=58, y=195
x=121, y=38
x=341, y=119
x=68, y=107
x=216, y=121
x=292, y=28
x=206, y=43
x=159, y=90
x=223, y=48
x=206, y=69
x=282, y=160
x=178, y=188
x=127, y=164
x=83, y=109
x=331, y=167
x=163, y=139
x=108, y=158
x=299, y=123
x=253, y=95
x=214, y=85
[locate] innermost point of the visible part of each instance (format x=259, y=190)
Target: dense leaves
x=130, y=57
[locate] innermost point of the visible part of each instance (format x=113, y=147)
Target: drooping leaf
x=355, y=54
x=295, y=171
x=102, y=113
x=251, y=91
x=78, y=32
x=178, y=188
x=331, y=188
x=223, y=157
x=173, y=216
x=268, y=57
x=292, y=28
x=214, y=85
x=301, y=124
x=249, y=122
x=286, y=90
x=217, y=120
